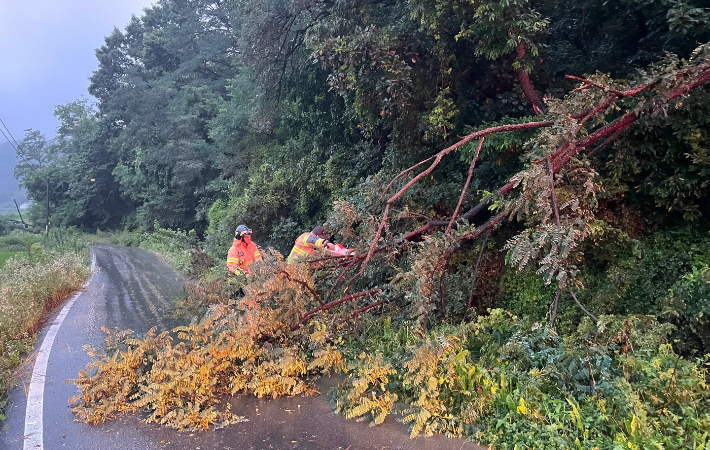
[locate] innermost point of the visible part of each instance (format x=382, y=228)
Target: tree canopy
x=579, y=122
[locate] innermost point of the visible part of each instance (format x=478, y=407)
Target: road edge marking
x=33, y=437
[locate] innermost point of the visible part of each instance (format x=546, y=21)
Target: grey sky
x=47, y=49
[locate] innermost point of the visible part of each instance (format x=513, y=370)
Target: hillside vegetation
x=525, y=184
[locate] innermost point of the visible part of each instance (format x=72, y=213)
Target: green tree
x=37, y=172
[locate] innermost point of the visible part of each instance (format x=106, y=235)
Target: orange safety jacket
x=305, y=245
x=241, y=255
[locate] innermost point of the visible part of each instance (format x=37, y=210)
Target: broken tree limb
x=437, y=160
x=526, y=84
x=699, y=75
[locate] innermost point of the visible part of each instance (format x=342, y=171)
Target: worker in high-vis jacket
x=308, y=243
x=243, y=251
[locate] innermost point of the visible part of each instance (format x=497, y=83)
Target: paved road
x=133, y=289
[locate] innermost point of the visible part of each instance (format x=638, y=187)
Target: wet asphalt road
x=134, y=289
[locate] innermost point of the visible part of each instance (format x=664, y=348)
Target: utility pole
x=18, y=212
x=47, y=225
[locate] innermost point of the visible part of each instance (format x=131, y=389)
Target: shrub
x=688, y=306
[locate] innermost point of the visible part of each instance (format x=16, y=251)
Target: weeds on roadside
x=31, y=284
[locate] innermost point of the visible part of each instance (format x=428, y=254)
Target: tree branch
x=553, y=314
x=526, y=84
x=465, y=187
x=359, y=311
x=556, y=160
x=437, y=159
x=304, y=284
x=475, y=275
x=592, y=316
x=309, y=315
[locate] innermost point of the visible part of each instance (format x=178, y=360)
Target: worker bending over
x=307, y=243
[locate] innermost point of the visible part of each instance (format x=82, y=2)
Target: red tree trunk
x=526, y=84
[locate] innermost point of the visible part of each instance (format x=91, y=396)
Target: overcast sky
x=47, y=49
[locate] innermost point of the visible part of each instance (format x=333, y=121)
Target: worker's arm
x=316, y=242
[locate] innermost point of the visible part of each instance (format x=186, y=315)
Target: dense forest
x=546, y=158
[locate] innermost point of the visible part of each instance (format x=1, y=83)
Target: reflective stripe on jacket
x=305, y=245
x=241, y=255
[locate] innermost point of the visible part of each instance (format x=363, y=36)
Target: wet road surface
x=134, y=289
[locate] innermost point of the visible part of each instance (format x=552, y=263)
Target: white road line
x=33, y=439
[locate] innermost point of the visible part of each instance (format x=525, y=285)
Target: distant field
x=12, y=245
x=4, y=256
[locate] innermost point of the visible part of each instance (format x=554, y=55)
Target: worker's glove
x=343, y=251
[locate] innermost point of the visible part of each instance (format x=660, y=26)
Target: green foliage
x=178, y=246
x=67, y=240
x=616, y=385
x=287, y=114
x=688, y=303
x=15, y=243
x=665, y=163
x=526, y=293
x=638, y=278
x=498, y=28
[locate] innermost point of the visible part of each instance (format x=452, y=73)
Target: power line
x=13, y=145
x=8, y=132
x=28, y=164
x=8, y=139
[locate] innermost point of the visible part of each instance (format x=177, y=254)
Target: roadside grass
x=32, y=283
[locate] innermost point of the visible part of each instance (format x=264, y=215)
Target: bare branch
x=304, y=284
x=592, y=316
x=359, y=311
x=437, y=159
x=403, y=173
x=465, y=187
x=475, y=274
x=309, y=315
x=553, y=314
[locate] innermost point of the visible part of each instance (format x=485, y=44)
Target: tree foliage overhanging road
x=569, y=138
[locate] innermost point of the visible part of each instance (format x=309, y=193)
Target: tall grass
x=31, y=284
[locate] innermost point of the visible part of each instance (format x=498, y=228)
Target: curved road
x=134, y=289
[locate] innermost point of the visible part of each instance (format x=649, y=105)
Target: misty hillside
x=8, y=184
